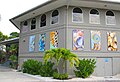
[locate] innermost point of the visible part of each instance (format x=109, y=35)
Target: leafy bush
x=60, y=76
x=32, y=67
x=13, y=63
x=47, y=69
x=85, y=68
x=13, y=58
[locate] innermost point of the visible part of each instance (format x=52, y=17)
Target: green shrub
x=60, y=76
x=85, y=68
x=32, y=67
x=47, y=69
x=13, y=63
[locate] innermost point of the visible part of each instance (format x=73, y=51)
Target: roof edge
x=34, y=8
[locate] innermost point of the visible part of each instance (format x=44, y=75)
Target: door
x=104, y=67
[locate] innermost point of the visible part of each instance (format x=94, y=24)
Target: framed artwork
x=78, y=39
x=53, y=39
x=96, y=40
x=32, y=43
x=112, y=41
x=42, y=42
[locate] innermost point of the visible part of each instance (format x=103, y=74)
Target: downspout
x=66, y=29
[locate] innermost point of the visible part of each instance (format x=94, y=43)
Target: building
x=89, y=28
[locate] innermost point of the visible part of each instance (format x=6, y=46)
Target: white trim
x=106, y=18
x=58, y=17
x=90, y=14
x=82, y=16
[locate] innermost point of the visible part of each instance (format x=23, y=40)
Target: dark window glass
x=77, y=10
x=25, y=23
x=33, y=24
x=55, y=13
x=109, y=13
x=94, y=11
x=43, y=20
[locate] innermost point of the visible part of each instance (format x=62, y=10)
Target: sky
x=12, y=8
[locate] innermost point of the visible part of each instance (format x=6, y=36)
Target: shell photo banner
x=78, y=39
x=42, y=42
x=95, y=40
x=32, y=43
x=53, y=39
x=112, y=41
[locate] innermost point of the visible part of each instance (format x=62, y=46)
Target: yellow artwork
x=112, y=41
x=53, y=39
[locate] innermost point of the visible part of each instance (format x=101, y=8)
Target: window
x=55, y=17
x=25, y=23
x=94, y=17
x=110, y=18
x=25, y=27
x=43, y=20
x=33, y=24
x=77, y=15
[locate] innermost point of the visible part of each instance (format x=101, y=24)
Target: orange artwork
x=112, y=41
x=53, y=39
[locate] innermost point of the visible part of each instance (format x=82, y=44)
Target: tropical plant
x=60, y=76
x=2, y=56
x=85, y=68
x=31, y=67
x=3, y=37
x=13, y=63
x=61, y=54
x=53, y=53
x=13, y=35
x=47, y=69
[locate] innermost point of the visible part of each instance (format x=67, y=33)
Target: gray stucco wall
x=112, y=66
x=64, y=29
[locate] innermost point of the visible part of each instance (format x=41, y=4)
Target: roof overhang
x=10, y=41
x=53, y=4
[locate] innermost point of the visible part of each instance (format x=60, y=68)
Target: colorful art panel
x=42, y=42
x=53, y=39
x=32, y=43
x=112, y=41
x=78, y=39
x=96, y=40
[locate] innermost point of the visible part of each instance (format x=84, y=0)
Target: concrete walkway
x=9, y=75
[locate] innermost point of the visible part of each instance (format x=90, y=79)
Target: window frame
x=82, y=15
x=45, y=20
x=51, y=17
x=24, y=26
x=106, y=17
x=32, y=24
x=90, y=18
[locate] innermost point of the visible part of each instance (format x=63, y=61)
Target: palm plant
x=53, y=53
x=67, y=55
x=61, y=53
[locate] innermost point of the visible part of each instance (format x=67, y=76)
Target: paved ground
x=10, y=75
